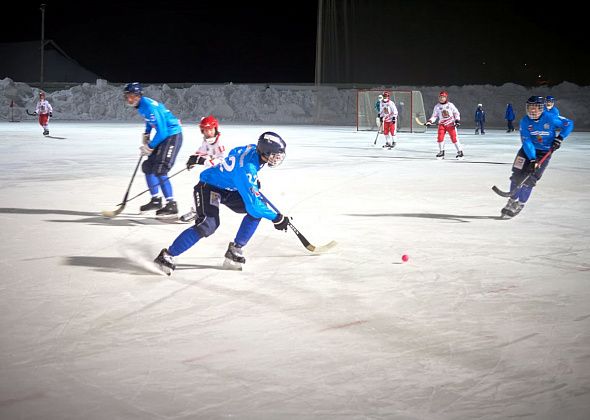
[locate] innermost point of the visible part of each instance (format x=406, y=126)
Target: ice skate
x=460, y=155
x=440, y=155
x=45, y=132
x=234, y=257
x=165, y=262
x=189, y=217
x=512, y=208
x=169, y=211
x=154, y=204
x=387, y=145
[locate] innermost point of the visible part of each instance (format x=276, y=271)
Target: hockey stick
x=113, y=213
x=300, y=236
x=521, y=183
x=378, y=131
x=32, y=114
x=418, y=121
x=144, y=191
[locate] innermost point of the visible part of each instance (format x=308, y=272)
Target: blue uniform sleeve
x=527, y=142
x=564, y=125
x=248, y=189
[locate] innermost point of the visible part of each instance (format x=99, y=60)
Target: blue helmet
x=550, y=98
x=134, y=87
x=272, y=147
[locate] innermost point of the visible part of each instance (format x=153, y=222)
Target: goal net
x=410, y=108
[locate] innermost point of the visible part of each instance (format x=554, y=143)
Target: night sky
x=389, y=41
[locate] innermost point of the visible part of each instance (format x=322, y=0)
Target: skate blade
x=231, y=265
x=163, y=269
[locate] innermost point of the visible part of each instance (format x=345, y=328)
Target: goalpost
x=410, y=108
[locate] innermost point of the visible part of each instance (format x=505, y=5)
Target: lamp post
x=42, y=8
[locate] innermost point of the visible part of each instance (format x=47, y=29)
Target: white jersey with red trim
x=43, y=107
x=446, y=113
x=215, y=152
x=388, y=111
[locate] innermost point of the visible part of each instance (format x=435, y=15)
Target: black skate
x=154, y=204
x=440, y=155
x=234, y=257
x=460, y=155
x=512, y=208
x=189, y=217
x=45, y=132
x=165, y=262
x=169, y=210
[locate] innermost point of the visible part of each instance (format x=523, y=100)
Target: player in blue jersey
x=161, y=149
x=550, y=106
x=540, y=133
x=234, y=183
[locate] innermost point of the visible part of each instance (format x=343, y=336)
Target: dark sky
x=390, y=41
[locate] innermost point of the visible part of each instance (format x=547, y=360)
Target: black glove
x=556, y=142
x=532, y=166
x=393, y=119
x=258, y=183
x=281, y=222
x=51, y=114
x=195, y=160
x=457, y=123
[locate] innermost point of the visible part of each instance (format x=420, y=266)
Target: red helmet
x=444, y=93
x=209, y=122
x=386, y=94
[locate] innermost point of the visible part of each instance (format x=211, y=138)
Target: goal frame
x=408, y=118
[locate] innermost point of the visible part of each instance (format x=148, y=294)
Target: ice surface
x=489, y=318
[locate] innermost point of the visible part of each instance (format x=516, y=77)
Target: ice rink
x=489, y=318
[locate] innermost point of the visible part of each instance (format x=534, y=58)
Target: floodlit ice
x=488, y=319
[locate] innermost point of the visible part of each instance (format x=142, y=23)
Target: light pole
x=42, y=8
x=318, y=45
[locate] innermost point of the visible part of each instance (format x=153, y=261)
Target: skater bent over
x=45, y=111
x=448, y=120
x=233, y=183
x=538, y=135
x=161, y=150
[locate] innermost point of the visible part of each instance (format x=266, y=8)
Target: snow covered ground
x=488, y=319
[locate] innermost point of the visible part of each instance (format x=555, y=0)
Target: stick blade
x=112, y=213
x=500, y=192
x=321, y=248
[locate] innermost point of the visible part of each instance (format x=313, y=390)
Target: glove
x=532, y=166
x=51, y=114
x=556, y=142
x=457, y=123
x=258, y=183
x=195, y=160
x=281, y=222
x=145, y=150
x=145, y=138
x=392, y=119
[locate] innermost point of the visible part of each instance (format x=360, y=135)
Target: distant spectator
x=509, y=117
x=480, y=119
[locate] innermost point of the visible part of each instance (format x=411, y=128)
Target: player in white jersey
x=389, y=115
x=448, y=120
x=211, y=152
x=44, y=110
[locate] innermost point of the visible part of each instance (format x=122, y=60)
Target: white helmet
x=380, y=97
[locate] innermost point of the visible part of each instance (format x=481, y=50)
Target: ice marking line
x=350, y=324
x=526, y=337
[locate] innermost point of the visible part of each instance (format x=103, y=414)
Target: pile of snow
x=233, y=103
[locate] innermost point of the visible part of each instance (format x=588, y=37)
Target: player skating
x=538, y=133
x=448, y=120
x=211, y=152
x=45, y=111
x=388, y=112
x=233, y=183
x=550, y=106
x=161, y=150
